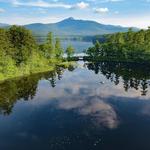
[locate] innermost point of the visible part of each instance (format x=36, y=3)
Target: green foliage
x=58, y=49
x=95, y=51
x=50, y=50
x=22, y=42
x=5, y=46
x=129, y=46
x=26, y=87
x=70, y=51
x=20, y=55
x=48, y=47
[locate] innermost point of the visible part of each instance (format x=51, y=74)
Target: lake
x=89, y=106
x=79, y=45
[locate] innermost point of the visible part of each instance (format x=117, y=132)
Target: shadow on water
x=25, y=88
x=132, y=75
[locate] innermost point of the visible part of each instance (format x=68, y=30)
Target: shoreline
x=51, y=68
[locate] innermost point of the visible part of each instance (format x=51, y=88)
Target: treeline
x=129, y=46
x=21, y=55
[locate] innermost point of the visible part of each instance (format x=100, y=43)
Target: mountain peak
x=71, y=26
x=67, y=20
x=70, y=18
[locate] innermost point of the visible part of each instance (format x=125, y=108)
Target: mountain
x=72, y=26
x=3, y=25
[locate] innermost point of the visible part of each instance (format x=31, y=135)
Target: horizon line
x=73, y=18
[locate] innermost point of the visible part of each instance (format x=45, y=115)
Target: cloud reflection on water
x=100, y=112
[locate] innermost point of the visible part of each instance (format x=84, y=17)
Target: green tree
x=5, y=46
x=129, y=37
x=147, y=39
x=129, y=46
x=22, y=42
x=49, y=47
x=58, y=49
x=70, y=51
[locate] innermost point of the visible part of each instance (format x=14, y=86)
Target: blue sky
x=116, y=12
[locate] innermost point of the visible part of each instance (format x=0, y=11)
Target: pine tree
x=58, y=49
x=70, y=51
x=48, y=48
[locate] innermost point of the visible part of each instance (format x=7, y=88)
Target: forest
x=21, y=55
x=123, y=46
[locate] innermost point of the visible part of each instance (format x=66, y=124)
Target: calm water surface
x=79, y=46
x=89, y=107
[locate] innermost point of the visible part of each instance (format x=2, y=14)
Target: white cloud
x=44, y=4
x=82, y=5
x=101, y=10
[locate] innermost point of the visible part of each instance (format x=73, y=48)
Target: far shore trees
x=70, y=51
x=129, y=46
x=58, y=49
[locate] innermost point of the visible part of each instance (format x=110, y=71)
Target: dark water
x=95, y=106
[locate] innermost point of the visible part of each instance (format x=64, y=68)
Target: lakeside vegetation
x=25, y=88
x=130, y=46
x=20, y=55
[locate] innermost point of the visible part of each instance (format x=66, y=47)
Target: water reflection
x=99, y=110
x=26, y=88
x=13, y=90
x=87, y=107
x=132, y=75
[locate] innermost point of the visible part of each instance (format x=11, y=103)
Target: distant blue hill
x=73, y=27
x=3, y=25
